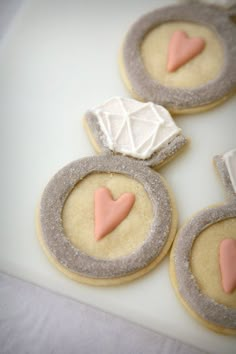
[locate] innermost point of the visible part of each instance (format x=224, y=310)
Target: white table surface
x=58, y=59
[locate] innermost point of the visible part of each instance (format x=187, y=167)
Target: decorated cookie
x=203, y=258
x=109, y=219
x=181, y=56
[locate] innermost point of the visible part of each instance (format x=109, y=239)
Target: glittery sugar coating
x=177, y=98
x=56, y=193
x=203, y=305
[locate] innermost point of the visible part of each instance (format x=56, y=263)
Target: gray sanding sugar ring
x=207, y=308
x=177, y=99
x=60, y=247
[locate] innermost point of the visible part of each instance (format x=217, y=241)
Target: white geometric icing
x=134, y=128
x=230, y=161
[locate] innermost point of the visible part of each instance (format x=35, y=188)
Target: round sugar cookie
x=203, y=258
x=133, y=248
x=182, y=57
x=109, y=219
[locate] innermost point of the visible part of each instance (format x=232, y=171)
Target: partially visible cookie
x=109, y=219
x=182, y=57
x=203, y=258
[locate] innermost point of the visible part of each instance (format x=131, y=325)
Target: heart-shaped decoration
x=228, y=264
x=182, y=49
x=108, y=212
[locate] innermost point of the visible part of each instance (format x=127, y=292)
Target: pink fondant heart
x=108, y=212
x=228, y=264
x=182, y=49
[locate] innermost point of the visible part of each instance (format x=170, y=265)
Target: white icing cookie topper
x=134, y=128
x=230, y=161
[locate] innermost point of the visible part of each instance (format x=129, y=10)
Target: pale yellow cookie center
x=205, y=260
x=78, y=216
x=198, y=71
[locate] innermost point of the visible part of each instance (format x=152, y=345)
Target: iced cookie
x=182, y=57
x=203, y=258
x=109, y=219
